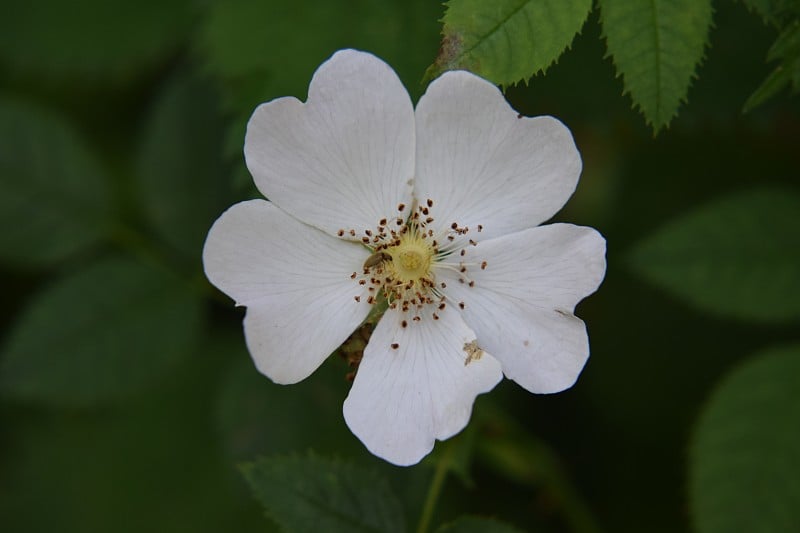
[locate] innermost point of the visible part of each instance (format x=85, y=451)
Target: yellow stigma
x=411, y=258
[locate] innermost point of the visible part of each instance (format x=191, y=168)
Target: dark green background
x=162, y=456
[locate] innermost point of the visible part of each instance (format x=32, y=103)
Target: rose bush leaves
x=745, y=451
x=310, y=494
x=737, y=256
x=102, y=333
x=656, y=47
x=55, y=193
x=507, y=41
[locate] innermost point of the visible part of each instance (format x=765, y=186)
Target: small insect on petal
x=378, y=258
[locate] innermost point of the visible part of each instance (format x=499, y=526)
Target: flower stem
x=437, y=482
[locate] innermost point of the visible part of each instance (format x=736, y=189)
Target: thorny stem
x=437, y=482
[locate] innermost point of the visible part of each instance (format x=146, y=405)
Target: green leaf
x=656, y=47
x=737, y=256
x=507, y=41
x=91, y=40
x=311, y=494
x=55, y=196
x=477, y=524
x=102, y=333
x=773, y=11
x=183, y=181
x=744, y=467
x=786, y=50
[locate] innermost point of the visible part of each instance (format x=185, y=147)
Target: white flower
x=434, y=209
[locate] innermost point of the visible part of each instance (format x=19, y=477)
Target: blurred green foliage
x=127, y=398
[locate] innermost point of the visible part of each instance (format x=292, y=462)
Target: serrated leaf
x=737, y=256
x=773, y=11
x=182, y=178
x=507, y=41
x=786, y=50
x=477, y=524
x=744, y=464
x=90, y=40
x=311, y=494
x=102, y=333
x=55, y=197
x=656, y=47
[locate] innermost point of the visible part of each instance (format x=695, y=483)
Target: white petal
x=521, y=304
x=404, y=399
x=295, y=281
x=344, y=159
x=483, y=164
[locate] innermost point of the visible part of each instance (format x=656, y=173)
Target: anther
x=357, y=298
x=429, y=202
x=461, y=305
x=480, y=228
x=340, y=233
x=483, y=265
x=403, y=324
x=471, y=283
x=395, y=346
x=401, y=207
x=353, y=275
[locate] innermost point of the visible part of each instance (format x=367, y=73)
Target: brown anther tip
x=435, y=316
x=454, y=225
x=461, y=305
x=429, y=220
x=357, y=298
x=352, y=233
x=340, y=233
x=365, y=240
x=480, y=228
x=368, y=233
x=443, y=285
x=429, y=202
x=403, y=324
x=463, y=252
x=441, y=306
x=483, y=265
x=382, y=222
x=473, y=243
x=395, y=346
x=401, y=207
x=416, y=319
x=471, y=283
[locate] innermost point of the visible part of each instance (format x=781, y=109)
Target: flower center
x=410, y=258
x=406, y=254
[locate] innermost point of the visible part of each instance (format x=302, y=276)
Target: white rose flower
x=433, y=213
